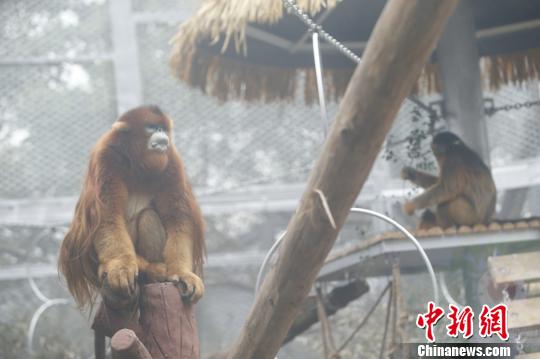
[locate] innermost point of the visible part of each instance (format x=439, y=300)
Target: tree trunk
x=400, y=44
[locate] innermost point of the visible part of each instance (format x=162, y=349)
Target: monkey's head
x=445, y=143
x=146, y=131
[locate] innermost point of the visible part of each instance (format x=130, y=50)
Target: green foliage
x=415, y=146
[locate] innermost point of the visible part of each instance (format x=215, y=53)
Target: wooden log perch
x=400, y=44
x=337, y=299
x=166, y=327
x=168, y=322
x=126, y=345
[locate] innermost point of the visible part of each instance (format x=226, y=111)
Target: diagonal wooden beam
x=400, y=44
x=268, y=37
x=337, y=299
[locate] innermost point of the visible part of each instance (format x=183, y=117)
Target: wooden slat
x=515, y=267
x=524, y=314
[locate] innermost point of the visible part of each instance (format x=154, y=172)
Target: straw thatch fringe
x=429, y=81
x=228, y=18
x=516, y=68
x=227, y=79
x=231, y=80
x=497, y=70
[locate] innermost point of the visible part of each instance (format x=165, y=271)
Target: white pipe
x=423, y=254
x=320, y=85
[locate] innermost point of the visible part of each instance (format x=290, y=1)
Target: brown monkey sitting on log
x=136, y=215
x=464, y=193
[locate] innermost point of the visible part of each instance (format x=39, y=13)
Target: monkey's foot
x=192, y=285
x=428, y=220
x=120, y=275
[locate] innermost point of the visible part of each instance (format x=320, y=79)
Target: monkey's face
x=154, y=145
x=148, y=134
x=445, y=142
x=158, y=139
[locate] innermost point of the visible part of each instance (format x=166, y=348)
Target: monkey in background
x=137, y=220
x=464, y=193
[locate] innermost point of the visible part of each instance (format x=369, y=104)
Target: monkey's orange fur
x=136, y=214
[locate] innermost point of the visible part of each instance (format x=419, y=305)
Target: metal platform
x=374, y=257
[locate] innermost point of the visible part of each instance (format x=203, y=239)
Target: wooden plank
x=514, y=268
x=399, y=46
x=524, y=314
x=370, y=257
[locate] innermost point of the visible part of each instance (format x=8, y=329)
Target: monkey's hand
x=121, y=274
x=408, y=173
x=409, y=207
x=192, y=286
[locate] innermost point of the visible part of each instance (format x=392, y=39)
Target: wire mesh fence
x=58, y=95
x=513, y=134
x=37, y=29
x=228, y=143
x=47, y=129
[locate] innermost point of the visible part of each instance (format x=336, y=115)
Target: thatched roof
x=212, y=52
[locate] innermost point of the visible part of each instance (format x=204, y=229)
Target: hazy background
x=59, y=92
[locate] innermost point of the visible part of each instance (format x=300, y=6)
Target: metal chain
x=491, y=109
x=313, y=26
